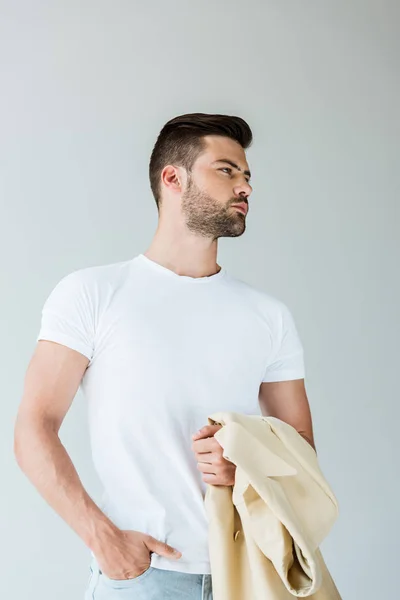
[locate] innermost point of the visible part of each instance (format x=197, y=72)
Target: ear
x=173, y=178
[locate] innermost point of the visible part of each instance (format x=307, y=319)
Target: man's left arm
x=287, y=401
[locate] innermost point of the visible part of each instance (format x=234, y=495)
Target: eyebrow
x=234, y=165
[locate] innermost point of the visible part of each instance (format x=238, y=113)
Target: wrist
x=101, y=534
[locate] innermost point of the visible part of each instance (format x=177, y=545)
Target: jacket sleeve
x=288, y=359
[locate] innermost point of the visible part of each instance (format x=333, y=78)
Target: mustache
x=243, y=200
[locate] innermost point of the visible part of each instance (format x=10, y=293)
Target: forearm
x=44, y=460
x=308, y=439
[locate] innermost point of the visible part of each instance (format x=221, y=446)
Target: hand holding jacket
x=215, y=468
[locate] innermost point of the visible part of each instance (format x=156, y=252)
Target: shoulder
x=264, y=302
x=89, y=286
x=97, y=276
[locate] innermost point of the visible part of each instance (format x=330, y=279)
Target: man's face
x=214, y=186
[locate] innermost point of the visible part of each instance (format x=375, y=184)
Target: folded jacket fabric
x=266, y=529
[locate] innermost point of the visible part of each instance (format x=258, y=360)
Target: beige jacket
x=266, y=529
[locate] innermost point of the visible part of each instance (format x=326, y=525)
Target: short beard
x=206, y=218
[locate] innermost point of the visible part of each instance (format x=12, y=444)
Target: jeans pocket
x=123, y=583
x=92, y=583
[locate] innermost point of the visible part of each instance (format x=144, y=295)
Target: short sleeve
x=68, y=315
x=288, y=361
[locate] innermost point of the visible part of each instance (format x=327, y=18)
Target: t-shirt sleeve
x=68, y=315
x=288, y=360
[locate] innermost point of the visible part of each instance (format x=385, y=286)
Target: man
x=158, y=343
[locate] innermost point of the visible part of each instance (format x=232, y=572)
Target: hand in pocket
x=126, y=554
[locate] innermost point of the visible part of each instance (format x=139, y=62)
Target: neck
x=183, y=252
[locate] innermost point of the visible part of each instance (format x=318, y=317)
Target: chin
x=235, y=231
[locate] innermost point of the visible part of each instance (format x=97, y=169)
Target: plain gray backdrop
x=85, y=90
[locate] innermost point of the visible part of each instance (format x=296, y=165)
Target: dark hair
x=180, y=142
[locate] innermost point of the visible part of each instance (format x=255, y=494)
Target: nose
x=243, y=190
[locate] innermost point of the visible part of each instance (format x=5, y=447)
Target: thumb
x=162, y=549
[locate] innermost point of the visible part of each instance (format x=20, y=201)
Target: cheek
x=216, y=183
x=217, y=189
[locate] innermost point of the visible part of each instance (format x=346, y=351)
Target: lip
x=242, y=207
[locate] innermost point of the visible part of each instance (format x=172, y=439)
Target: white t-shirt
x=165, y=352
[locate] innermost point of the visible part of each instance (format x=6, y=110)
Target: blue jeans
x=153, y=584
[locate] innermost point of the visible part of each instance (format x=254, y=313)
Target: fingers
x=206, y=468
x=206, y=445
x=205, y=432
x=162, y=549
x=210, y=458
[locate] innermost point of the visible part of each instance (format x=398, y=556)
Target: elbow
x=20, y=443
x=28, y=434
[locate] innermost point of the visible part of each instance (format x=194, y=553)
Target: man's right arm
x=51, y=382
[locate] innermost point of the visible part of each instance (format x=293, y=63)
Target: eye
x=230, y=172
